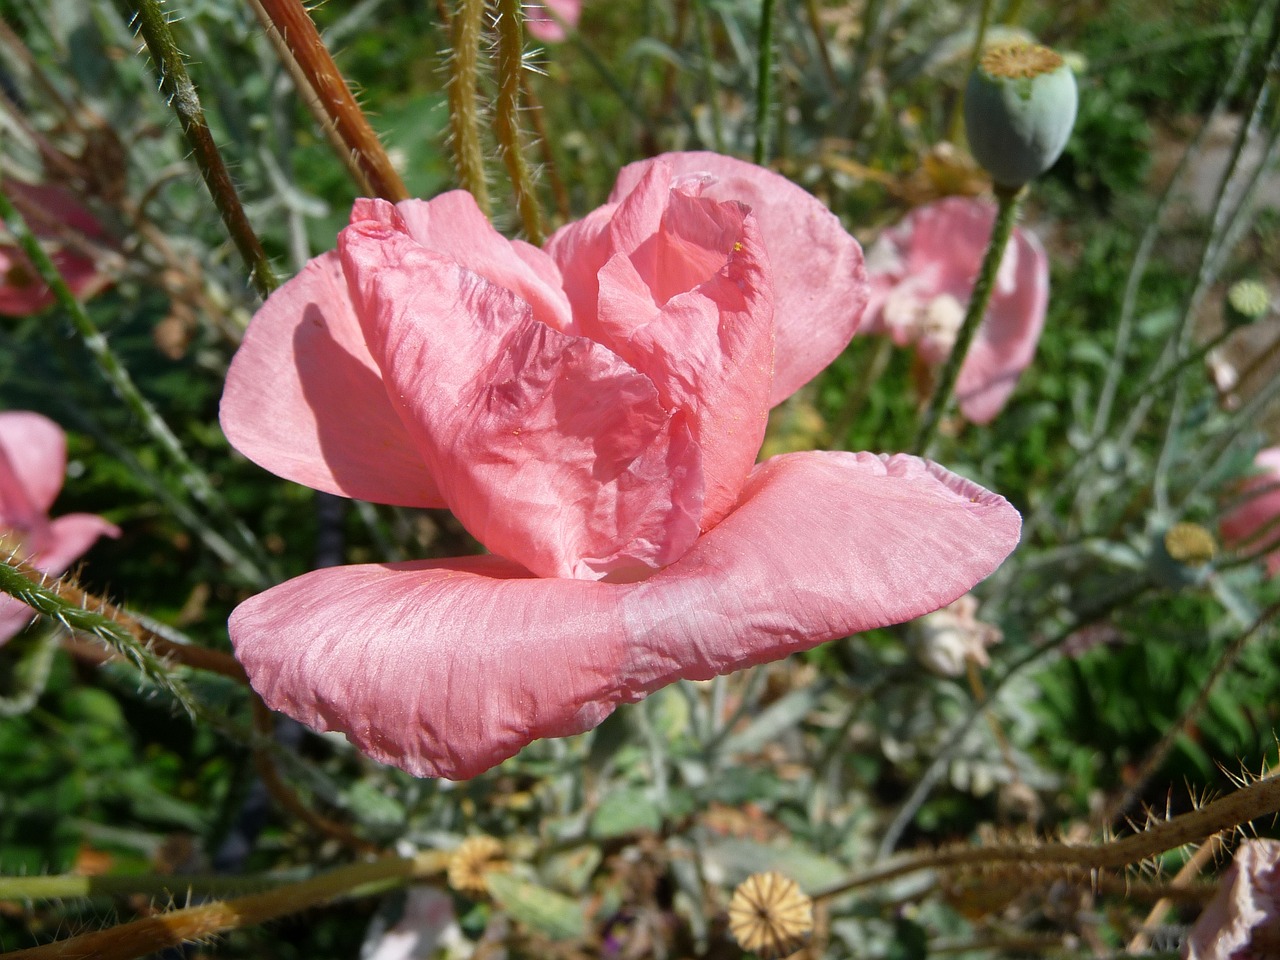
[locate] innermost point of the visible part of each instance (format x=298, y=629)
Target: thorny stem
x=181, y=94
x=151, y=934
x=195, y=480
x=510, y=68
x=764, y=80
x=1006, y=214
x=563, y=207
x=1157, y=756
x=1255, y=800
x=464, y=119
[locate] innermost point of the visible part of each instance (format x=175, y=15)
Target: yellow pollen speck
x=737, y=246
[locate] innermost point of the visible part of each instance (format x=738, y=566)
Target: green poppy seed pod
x=1019, y=108
x=1247, y=302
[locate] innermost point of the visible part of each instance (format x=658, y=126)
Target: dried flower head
x=770, y=915
x=473, y=861
x=1190, y=543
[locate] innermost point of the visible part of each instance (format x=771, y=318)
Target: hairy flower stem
x=1006, y=214
x=293, y=25
x=1258, y=799
x=193, y=478
x=181, y=93
x=507, y=128
x=464, y=115
x=764, y=80
x=151, y=934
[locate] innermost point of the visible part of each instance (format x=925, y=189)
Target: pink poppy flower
x=1242, y=921
x=922, y=272
x=547, y=21
x=33, y=459
x=591, y=412
x=1254, y=524
x=55, y=215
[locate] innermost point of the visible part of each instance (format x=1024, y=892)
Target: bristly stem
x=1258, y=799
x=176, y=927
x=181, y=94
x=1006, y=214
x=193, y=478
x=294, y=26
x=464, y=118
x=764, y=80
x=510, y=67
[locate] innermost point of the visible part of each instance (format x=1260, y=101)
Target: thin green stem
x=181, y=94
x=510, y=67
x=764, y=80
x=975, y=54
x=464, y=114
x=194, y=479
x=707, y=67
x=1006, y=214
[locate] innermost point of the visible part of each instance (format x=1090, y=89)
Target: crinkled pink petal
x=305, y=400
x=1242, y=921
x=33, y=461
x=445, y=668
x=708, y=349
x=551, y=450
x=452, y=224
x=820, y=286
x=548, y=19
x=1254, y=524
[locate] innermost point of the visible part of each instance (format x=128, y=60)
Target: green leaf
x=554, y=914
x=625, y=811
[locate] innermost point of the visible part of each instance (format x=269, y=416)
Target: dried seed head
x=473, y=861
x=770, y=915
x=1190, y=543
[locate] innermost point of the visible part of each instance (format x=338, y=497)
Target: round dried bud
x=1019, y=108
x=1190, y=544
x=473, y=861
x=1247, y=302
x=770, y=915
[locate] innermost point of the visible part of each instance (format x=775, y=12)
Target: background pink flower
x=541, y=18
x=33, y=460
x=57, y=217
x=591, y=413
x=1254, y=524
x=922, y=273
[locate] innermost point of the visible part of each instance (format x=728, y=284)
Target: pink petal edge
x=445, y=668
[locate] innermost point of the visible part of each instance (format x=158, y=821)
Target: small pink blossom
x=591, y=413
x=547, y=21
x=33, y=460
x=1254, y=524
x=922, y=273
x=56, y=217
x=1242, y=921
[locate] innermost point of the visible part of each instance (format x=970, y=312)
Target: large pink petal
x=33, y=460
x=305, y=400
x=446, y=668
x=709, y=347
x=550, y=449
x=819, y=281
x=1006, y=342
